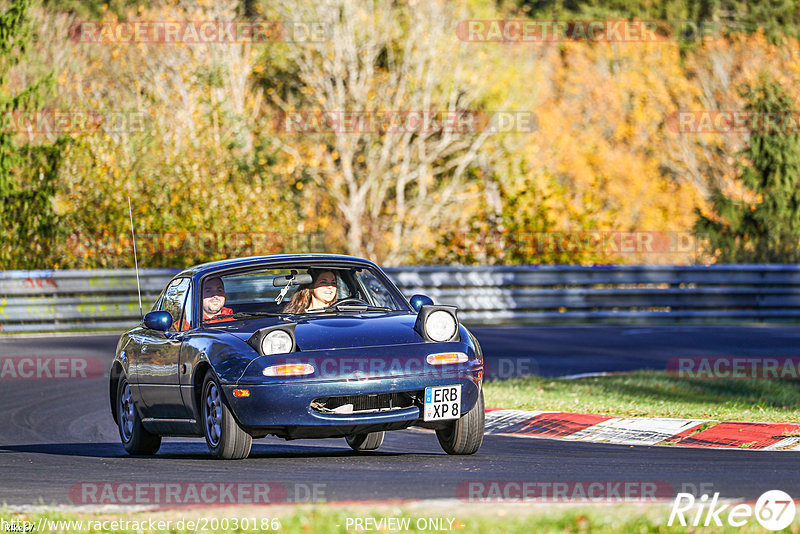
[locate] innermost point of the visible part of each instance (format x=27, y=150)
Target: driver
x=320, y=293
x=214, y=301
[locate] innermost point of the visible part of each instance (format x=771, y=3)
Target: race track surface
x=58, y=435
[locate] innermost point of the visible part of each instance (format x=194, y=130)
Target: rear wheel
x=368, y=441
x=224, y=437
x=465, y=435
x=135, y=438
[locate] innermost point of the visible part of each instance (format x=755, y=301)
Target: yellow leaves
x=599, y=157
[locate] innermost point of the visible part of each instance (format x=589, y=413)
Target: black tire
x=368, y=441
x=465, y=435
x=135, y=438
x=224, y=437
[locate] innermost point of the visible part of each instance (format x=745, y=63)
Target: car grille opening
x=378, y=402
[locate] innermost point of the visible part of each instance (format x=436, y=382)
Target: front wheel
x=224, y=437
x=365, y=442
x=465, y=435
x=135, y=438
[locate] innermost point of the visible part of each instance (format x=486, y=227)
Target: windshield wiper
x=353, y=307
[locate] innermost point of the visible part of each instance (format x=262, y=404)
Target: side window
x=376, y=291
x=174, y=298
x=343, y=290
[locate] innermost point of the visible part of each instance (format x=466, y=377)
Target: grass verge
x=652, y=394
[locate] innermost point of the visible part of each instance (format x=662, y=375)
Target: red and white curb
x=644, y=430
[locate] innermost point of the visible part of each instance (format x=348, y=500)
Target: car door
x=159, y=358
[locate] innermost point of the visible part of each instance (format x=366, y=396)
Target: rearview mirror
x=160, y=321
x=293, y=279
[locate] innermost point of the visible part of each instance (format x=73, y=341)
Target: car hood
x=343, y=330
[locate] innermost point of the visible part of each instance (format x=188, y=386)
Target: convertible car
x=296, y=346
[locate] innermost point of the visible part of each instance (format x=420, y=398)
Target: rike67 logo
x=774, y=510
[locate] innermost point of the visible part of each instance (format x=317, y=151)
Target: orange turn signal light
x=443, y=358
x=241, y=392
x=289, y=369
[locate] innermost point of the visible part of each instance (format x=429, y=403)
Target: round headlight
x=440, y=326
x=276, y=342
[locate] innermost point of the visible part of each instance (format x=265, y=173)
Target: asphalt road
x=567, y=350
x=57, y=437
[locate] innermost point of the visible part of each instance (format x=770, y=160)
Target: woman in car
x=320, y=293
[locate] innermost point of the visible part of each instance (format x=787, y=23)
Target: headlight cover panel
x=427, y=310
x=259, y=335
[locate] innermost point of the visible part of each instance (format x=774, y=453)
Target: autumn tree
x=764, y=225
x=391, y=186
x=193, y=152
x=28, y=169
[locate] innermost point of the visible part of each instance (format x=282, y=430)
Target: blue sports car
x=297, y=346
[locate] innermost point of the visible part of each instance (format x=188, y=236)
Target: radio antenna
x=135, y=261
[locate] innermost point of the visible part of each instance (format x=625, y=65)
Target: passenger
x=214, y=301
x=320, y=293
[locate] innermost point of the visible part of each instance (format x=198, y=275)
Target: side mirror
x=160, y=321
x=418, y=301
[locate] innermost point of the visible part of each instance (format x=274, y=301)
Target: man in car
x=214, y=309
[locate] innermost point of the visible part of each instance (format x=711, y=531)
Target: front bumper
x=276, y=403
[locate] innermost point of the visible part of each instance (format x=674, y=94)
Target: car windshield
x=297, y=290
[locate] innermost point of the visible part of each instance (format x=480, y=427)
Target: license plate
x=442, y=402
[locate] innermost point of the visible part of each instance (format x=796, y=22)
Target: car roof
x=254, y=261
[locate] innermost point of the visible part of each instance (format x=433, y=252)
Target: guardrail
x=75, y=299
x=627, y=293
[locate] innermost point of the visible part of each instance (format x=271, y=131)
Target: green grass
x=468, y=518
x=652, y=394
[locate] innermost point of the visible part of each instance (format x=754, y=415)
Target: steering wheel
x=350, y=300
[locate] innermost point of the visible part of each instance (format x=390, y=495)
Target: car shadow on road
x=185, y=451
x=94, y=450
